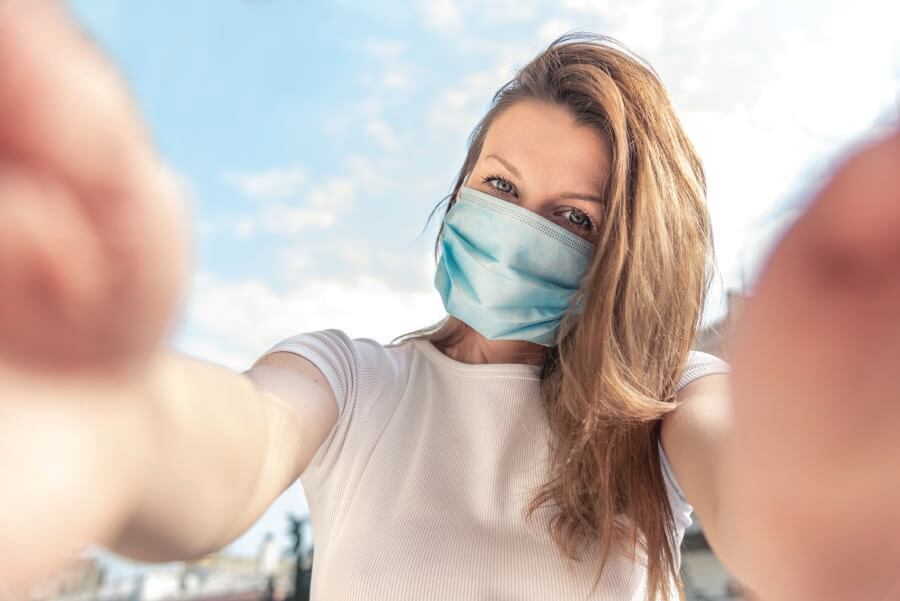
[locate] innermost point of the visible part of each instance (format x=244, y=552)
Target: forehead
x=545, y=143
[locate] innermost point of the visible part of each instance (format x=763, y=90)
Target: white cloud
x=509, y=10
x=463, y=103
x=722, y=17
x=396, y=79
x=335, y=193
x=590, y=7
x=388, y=78
x=746, y=180
x=238, y=321
x=380, y=131
x=367, y=174
x=280, y=182
x=293, y=262
x=442, y=15
x=641, y=24
x=826, y=89
x=551, y=29
x=287, y=220
x=389, y=71
x=314, y=207
x=386, y=49
x=244, y=227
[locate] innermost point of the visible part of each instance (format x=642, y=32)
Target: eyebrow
x=517, y=173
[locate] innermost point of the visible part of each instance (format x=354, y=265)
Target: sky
x=313, y=139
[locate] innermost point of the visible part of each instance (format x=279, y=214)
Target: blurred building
x=268, y=576
x=705, y=578
x=85, y=576
x=221, y=572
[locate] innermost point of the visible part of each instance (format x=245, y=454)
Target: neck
x=473, y=348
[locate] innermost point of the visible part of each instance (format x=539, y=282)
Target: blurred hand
x=92, y=235
x=93, y=255
x=815, y=462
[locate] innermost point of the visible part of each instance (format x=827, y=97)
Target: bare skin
x=81, y=189
x=814, y=461
x=92, y=264
x=93, y=260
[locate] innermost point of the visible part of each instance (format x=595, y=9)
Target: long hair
x=611, y=378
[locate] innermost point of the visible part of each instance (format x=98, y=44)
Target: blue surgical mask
x=507, y=272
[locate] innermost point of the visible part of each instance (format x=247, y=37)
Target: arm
x=104, y=436
x=788, y=525
x=693, y=437
x=803, y=496
x=169, y=468
x=227, y=445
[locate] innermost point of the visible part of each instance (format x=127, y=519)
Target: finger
x=852, y=225
x=53, y=272
x=828, y=303
x=62, y=106
x=816, y=386
x=67, y=118
x=75, y=296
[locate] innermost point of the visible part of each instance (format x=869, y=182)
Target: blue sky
x=313, y=139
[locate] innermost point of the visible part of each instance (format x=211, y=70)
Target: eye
x=572, y=218
x=578, y=219
x=499, y=184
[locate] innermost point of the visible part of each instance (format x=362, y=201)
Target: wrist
x=73, y=452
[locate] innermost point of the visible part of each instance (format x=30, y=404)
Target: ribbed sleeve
x=701, y=364
x=332, y=352
x=357, y=371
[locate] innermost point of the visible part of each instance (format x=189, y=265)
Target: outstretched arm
x=793, y=464
x=105, y=435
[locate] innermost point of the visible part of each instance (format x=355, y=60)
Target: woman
x=579, y=189
x=546, y=441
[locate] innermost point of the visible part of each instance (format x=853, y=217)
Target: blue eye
x=500, y=185
x=574, y=219
x=578, y=218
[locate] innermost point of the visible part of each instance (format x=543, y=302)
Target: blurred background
x=314, y=139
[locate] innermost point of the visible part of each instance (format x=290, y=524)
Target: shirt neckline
x=521, y=370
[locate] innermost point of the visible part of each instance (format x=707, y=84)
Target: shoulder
x=699, y=365
x=702, y=402
x=360, y=372
x=352, y=366
x=702, y=398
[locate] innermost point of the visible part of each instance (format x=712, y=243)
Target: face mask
x=507, y=272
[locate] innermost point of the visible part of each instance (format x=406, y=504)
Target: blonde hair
x=612, y=376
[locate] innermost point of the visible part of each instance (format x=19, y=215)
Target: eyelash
x=489, y=179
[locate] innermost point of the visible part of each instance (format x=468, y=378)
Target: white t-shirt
x=418, y=491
